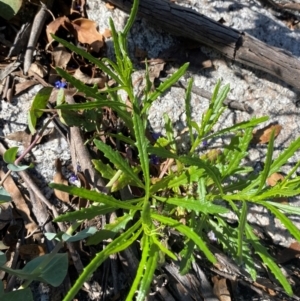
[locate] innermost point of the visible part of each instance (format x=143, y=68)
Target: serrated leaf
x=99, y=236
x=266, y=171
x=195, y=205
x=85, y=213
x=105, y=170
x=145, y=243
x=236, y=151
x=142, y=144
x=286, y=208
x=110, y=230
x=239, y=126
x=147, y=278
x=94, y=196
x=39, y=102
x=268, y=261
x=165, y=86
x=4, y=196
x=283, y=219
x=120, y=163
x=10, y=155
x=118, y=244
x=212, y=171
x=186, y=231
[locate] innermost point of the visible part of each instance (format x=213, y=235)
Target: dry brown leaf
x=53, y=26
x=61, y=56
x=31, y=251
x=107, y=33
x=109, y=6
x=58, y=178
x=83, y=77
x=38, y=68
x=21, y=87
x=20, y=203
x=20, y=136
x=274, y=178
x=263, y=135
x=220, y=289
x=87, y=33
x=293, y=251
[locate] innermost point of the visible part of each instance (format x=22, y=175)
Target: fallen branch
x=235, y=45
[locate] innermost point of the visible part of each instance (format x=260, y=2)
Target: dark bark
x=232, y=43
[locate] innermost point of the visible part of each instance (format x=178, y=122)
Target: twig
x=80, y=152
x=36, y=30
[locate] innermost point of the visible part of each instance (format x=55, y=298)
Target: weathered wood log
x=235, y=45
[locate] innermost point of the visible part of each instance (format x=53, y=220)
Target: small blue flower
x=204, y=143
x=60, y=84
x=154, y=160
x=74, y=180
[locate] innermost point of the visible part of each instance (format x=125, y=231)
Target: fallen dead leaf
x=274, y=178
x=31, y=251
x=107, y=33
x=23, y=137
x=58, y=178
x=109, y=6
x=53, y=26
x=85, y=78
x=61, y=56
x=86, y=32
x=20, y=203
x=21, y=87
x=263, y=135
x=39, y=69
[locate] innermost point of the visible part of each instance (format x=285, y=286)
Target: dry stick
x=232, y=43
x=36, y=30
x=80, y=151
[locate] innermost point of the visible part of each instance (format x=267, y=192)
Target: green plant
x=199, y=189
x=195, y=187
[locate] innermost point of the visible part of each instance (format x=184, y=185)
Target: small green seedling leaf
x=80, y=235
x=53, y=273
x=4, y=196
x=9, y=8
x=10, y=155
x=39, y=103
x=17, y=168
x=24, y=294
x=2, y=259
